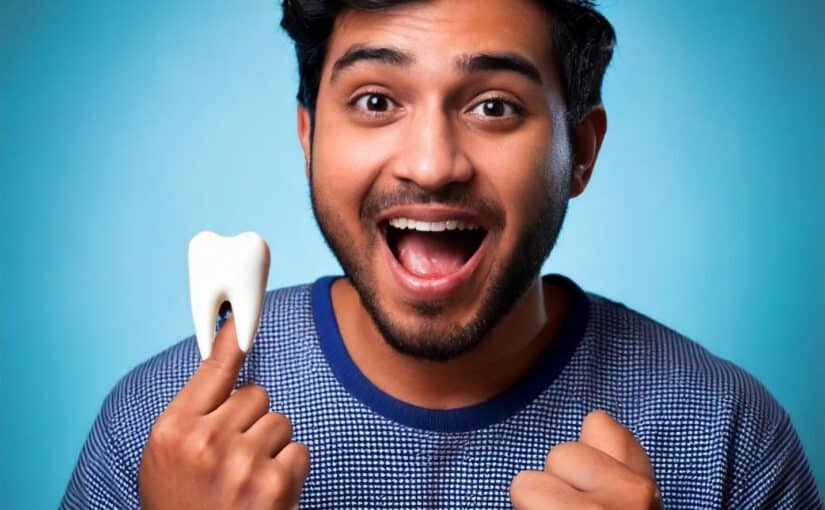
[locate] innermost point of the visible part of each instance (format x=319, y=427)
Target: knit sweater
x=715, y=436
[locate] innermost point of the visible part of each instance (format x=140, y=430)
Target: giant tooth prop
x=233, y=269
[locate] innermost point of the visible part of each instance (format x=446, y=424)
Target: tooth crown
x=233, y=269
x=431, y=226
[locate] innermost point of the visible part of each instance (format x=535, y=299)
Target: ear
x=587, y=141
x=305, y=134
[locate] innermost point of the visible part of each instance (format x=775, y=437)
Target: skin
x=434, y=138
x=216, y=449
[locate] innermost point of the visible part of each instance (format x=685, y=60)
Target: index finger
x=213, y=381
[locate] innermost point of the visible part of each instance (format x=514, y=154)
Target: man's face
x=440, y=164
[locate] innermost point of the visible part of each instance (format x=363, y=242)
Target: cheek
x=345, y=164
x=520, y=171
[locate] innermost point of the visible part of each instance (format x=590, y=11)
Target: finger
x=537, y=490
x=588, y=469
x=604, y=433
x=242, y=409
x=295, y=458
x=214, y=379
x=270, y=434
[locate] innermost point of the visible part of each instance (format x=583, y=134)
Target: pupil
x=494, y=108
x=376, y=103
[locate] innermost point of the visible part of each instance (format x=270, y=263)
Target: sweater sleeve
x=779, y=476
x=101, y=478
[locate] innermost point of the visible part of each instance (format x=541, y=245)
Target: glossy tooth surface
x=435, y=226
x=233, y=269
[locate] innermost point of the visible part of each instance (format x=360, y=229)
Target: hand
x=606, y=469
x=216, y=449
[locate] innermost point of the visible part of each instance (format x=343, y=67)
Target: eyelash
x=353, y=103
x=518, y=110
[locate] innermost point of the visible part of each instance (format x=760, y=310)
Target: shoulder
x=672, y=392
x=631, y=346
x=651, y=373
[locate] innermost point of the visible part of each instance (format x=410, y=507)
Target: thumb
x=604, y=433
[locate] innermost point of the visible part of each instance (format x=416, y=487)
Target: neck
x=501, y=358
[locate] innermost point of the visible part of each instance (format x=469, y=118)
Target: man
x=443, y=141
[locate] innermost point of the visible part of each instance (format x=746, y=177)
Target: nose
x=429, y=154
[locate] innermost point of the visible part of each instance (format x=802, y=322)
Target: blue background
x=126, y=127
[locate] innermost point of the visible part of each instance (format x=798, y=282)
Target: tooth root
x=204, y=298
x=233, y=269
x=247, y=299
x=204, y=315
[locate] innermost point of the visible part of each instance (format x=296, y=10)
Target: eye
x=373, y=102
x=496, y=107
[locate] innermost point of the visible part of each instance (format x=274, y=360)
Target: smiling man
x=443, y=141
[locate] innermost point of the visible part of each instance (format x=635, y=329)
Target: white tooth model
x=231, y=269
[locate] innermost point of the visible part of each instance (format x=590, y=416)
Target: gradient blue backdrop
x=126, y=127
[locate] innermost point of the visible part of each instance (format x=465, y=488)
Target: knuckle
x=254, y=396
x=599, y=417
x=559, y=453
x=240, y=466
x=258, y=393
x=166, y=433
x=523, y=482
x=199, y=449
x=281, y=423
x=215, y=364
x=645, y=490
x=303, y=451
x=278, y=485
x=300, y=461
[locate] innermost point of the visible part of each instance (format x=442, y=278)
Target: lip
x=435, y=213
x=415, y=288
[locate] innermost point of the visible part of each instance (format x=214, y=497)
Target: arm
x=778, y=474
x=101, y=479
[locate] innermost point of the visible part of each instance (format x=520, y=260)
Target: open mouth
x=433, y=250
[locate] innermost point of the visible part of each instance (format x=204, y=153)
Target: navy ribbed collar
x=462, y=419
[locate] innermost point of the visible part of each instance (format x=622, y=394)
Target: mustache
x=450, y=195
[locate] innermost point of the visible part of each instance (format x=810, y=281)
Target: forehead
x=437, y=31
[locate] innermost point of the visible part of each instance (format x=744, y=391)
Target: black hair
x=583, y=43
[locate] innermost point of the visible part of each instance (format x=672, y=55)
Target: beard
x=509, y=279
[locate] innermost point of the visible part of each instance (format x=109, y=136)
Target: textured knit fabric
x=716, y=437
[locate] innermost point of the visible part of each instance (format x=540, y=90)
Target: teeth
x=431, y=226
x=231, y=269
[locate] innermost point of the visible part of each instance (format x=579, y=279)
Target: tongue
x=431, y=255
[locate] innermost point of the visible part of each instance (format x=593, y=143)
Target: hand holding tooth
x=216, y=449
x=212, y=448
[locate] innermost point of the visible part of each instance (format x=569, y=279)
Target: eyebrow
x=499, y=62
x=360, y=53
x=476, y=62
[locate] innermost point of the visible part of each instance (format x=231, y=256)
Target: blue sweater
x=715, y=436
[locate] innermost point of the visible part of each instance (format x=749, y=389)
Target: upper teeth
x=230, y=269
x=432, y=226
